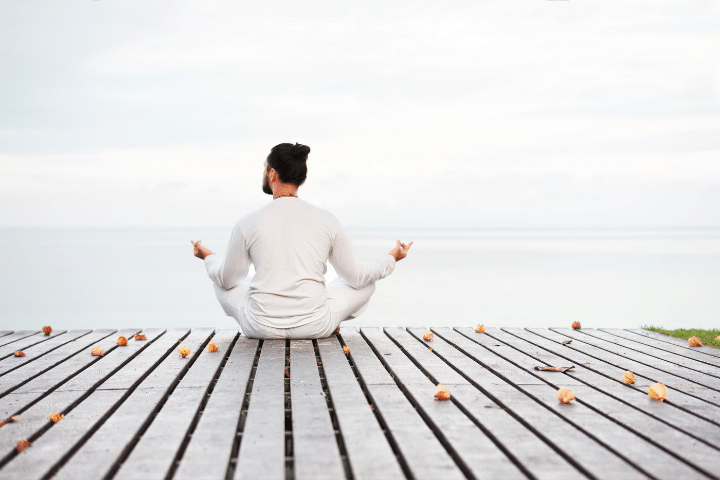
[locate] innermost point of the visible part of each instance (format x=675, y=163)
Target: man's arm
x=355, y=272
x=227, y=272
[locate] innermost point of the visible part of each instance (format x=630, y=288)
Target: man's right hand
x=400, y=250
x=200, y=251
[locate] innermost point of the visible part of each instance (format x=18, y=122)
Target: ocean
x=102, y=278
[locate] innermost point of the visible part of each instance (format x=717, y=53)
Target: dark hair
x=290, y=162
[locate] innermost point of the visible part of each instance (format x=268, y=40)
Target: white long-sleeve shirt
x=290, y=242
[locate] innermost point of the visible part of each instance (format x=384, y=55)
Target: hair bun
x=300, y=151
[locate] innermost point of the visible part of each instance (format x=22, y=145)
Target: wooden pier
x=305, y=409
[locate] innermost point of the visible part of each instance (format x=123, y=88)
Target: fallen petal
x=657, y=391
x=694, y=341
x=213, y=347
x=442, y=393
x=19, y=353
x=346, y=349
x=47, y=330
x=184, y=351
x=428, y=336
x=140, y=337
x=56, y=417
x=628, y=377
x=576, y=325
x=121, y=341
x=480, y=329
x=97, y=351
x=14, y=418
x=22, y=445
x=565, y=395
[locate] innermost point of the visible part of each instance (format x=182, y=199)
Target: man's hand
x=400, y=250
x=200, y=251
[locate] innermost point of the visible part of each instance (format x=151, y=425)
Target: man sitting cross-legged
x=290, y=242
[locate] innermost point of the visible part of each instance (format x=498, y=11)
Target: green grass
x=706, y=336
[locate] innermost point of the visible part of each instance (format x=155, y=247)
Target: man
x=290, y=241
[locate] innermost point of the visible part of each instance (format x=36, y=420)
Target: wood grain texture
x=25, y=343
x=679, y=342
x=262, y=450
x=15, y=336
x=210, y=448
x=369, y=452
x=38, y=350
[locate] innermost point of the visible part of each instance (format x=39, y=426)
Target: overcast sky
x=419, y=114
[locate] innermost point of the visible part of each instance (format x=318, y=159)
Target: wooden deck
x=303, y=409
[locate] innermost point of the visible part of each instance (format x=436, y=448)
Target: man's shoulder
x=325, y=216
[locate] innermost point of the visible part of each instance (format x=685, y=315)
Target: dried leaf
x=19, y=353
x=97, y=351
x=56, y=417
x=428, y=336
x=430, y=348
x=47, y=331
x=346, y=349
x=565, y=395
x=657, y=391
x=442, y=393
x=22, y=445
x=480, y=329
x=213, y=347
x=2, y=424
x=287, y=372
x=554, y=369
x=184, y=351
x=337, y=330
x=694, y=341
x=140, y=337
x=628, y=377
x=121, y=341
x=576, y=325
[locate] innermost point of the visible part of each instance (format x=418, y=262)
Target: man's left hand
x=200, y=251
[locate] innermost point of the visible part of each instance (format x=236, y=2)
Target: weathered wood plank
x=19, y=335
x=423, y=453
x=27, y=341
x=664, y=354
x=262, y=449
x=16, y=378
x=525, y=447
x=155, y=452
x=315, y=448
x=685, y=351
x=41, y=390
x=678, y=342
x=369, y=453
x=38, y=350
x=640, y=414
x=53, y=446
x=110, y=442
x=673, y=382
x=4, y=333
x=581, y=448
x=693, y=416
x=210, y=448
x=693, y=376
x=641, y=435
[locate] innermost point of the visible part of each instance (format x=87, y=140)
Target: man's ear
x=272, y=175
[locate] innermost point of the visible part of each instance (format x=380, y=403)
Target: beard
x=266, y=184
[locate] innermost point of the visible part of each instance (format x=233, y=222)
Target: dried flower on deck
x=56, y=417
x=14, y=418
x=121, y=341
x=140, y=337
x=19, y=353
x=480, y=329
x=657, y=391
x=22, y=445
x=213, y=347
x=184, y=351
x=565, y=395
x=694, y=341
x=346, y=349
x=428, y=336
x=576, y=325
x=97, y=351
x=628, y=377
x=442, y=393
x=47, y=331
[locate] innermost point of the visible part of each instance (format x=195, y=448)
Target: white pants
x=344, y=301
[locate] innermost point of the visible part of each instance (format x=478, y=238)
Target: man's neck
x=285, y=191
